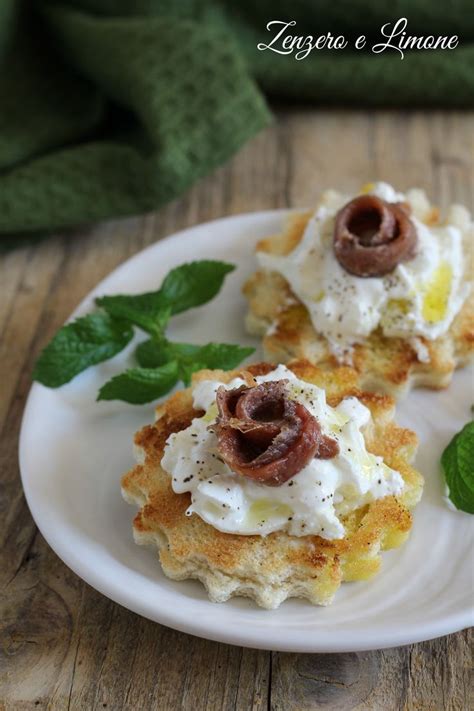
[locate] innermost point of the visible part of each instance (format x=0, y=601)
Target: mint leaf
x=224, y=356
x=193, y=284
x=458, y=464
x=190, y=357
x=153, y=353
x=148, y=311
x=86, y=341
x=140, y=385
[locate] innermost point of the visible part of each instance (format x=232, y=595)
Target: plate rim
x=447, y=624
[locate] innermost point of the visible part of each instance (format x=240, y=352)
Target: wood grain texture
x=63, y=645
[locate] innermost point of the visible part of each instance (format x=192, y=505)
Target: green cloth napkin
x=113, y=107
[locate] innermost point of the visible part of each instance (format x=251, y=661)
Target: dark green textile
x=113, y=107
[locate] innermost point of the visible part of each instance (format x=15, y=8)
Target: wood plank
x=432, y=676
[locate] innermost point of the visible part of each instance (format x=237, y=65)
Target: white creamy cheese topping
x=420, y=297
x=311, y=502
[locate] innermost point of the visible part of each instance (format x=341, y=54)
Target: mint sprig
x=457, y=461
x=162, y=363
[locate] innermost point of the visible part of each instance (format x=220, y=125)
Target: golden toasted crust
x=270, y=569
x=387, y=364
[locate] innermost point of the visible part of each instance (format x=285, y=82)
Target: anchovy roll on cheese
x=273, y=482
x=372, y=236
x=376, y=282
x=266, y=435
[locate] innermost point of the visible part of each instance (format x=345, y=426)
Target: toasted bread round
x=390, y=365
x=272, y=568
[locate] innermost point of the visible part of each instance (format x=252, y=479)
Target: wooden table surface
x=65, y=646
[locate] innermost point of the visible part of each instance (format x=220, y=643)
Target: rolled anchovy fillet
x=372, y=236
x=264, y=435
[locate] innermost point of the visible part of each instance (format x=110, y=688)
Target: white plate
x=74, y=450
